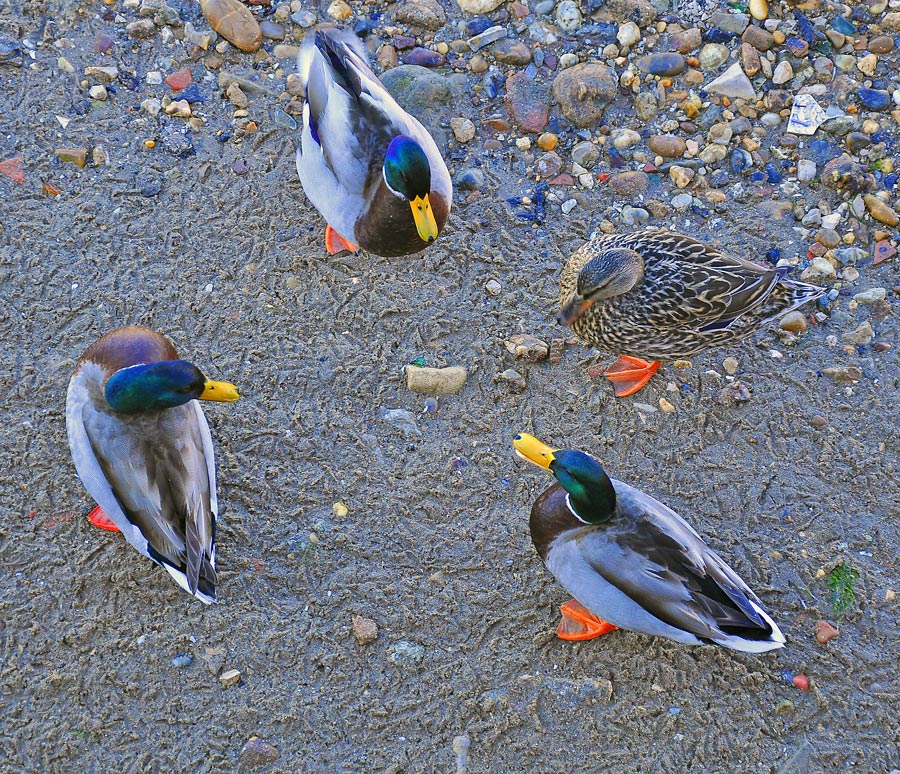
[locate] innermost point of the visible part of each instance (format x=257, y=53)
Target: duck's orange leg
x=100, y=520
x=628, y=374
x=335, y=243
x=579, y=623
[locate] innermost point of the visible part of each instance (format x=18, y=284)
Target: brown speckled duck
x=371, y=169
x=656, y=295
x=143, y=450
x=627, y=557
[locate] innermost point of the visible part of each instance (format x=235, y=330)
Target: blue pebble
x=477, y=26
x=607, y=33
x=192, y=94
x=874, y=99
x=674, y=710
x=758, y=177
x=843, y=25
x=787, y=676
x=890, y=181
x=772, y=173
x=740, y=160
x=615, y=159
x=807, y=29
x=774, y=255
x=888, y=138
x=717, y=35
x=182, y=660
x=364, y=28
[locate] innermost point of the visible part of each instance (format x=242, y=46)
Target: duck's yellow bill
x=426, y=225
x=530, y=448
x=222, y=391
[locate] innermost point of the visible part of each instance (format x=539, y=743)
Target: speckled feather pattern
x=690, y=297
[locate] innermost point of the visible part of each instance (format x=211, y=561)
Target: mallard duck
x=143, y=451
x=372, y=170
x=656, y=295
x=632, y=563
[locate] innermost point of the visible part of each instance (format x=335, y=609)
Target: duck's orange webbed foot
x=335, y=243
x=579, y=623
x=628, y=374
x=101, y=521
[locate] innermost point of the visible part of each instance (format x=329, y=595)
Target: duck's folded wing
x=162, y=487
x=660, y=563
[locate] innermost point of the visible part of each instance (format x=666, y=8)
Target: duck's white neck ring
x=572, y=510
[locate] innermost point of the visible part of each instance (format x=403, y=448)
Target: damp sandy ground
x=435, y=546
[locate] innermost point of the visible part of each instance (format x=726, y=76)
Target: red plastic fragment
x=13, y=169
x=180, y=79
x=801, y=681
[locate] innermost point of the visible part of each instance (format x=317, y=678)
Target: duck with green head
x=632, y=563
x=142, y=449
x=370, y=168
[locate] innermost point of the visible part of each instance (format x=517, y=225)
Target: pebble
x=625, y=138
x=98, y=92
x=584, y=91
x=828, y=237
x=511, y=52
x=668, y=146
x=529, y=348
x=759, y=9
x=628, y=34
x=479, y=6
x=407, y=654
x=493, y=287
x=806, y=170
x=229, y=678
x=257, y=752
x=818, y=421
x=436, y=381
x=759, y=38
x=867, y=64
x=423, y=57
x=681, y=176
x=568, y=15
x=881, y=44
x=870, y=297
x=825, y=632
x=661, y=64
x=793, y=322
x=365, y=630
x=490, y=35
x=712, y=55
x=76, y=156
x=340, y=11
x=880, y=211
x=102, y=74
x=547, y=141
x=512, y=380
x=527, y=102
x=463, y=129
x=733, y=83
x=234, y=22
x=425, y=14
x=630, y=183
x=471, y=180
x=861, y=335
x=874, y=99
x=180, y=108
x=665, y=406
x=783, y=73
x=182, y=660
x=403, y=420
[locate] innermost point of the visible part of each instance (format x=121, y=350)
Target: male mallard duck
x=635, y=562
x=372, y=170
x=143, y=451
x=655, y=295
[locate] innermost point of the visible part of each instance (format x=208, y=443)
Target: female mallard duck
x=372, y=170
x=655, y=295
x=143, y=451
x=635, y=562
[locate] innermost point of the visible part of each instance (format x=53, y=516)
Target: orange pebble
x=852, y=109
x=825, y=631
x=149, y=143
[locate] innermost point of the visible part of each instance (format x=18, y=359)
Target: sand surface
x=435, y=546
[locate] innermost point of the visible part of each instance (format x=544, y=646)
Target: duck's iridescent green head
x=408, y=173
x=610, y=273
x=162, y=385
x=591, y=493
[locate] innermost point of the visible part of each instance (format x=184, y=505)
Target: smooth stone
x=423, y=57
x=806, y=170
x=712, y=55
x=625, y=138
x=759, y=38
x=490, y=35
x=470, y=180
x=527, y=102
x=881, y=44
x=661, y=64
x=681, y=176
x=794, y=322
x=669, y=146
x=646, y=106
x=733, y=23
x=479, y=6
x=271, y=30
x=880, y=211
x=733, y=83
x=686, y=40
x=512, y=52
x=783, y=73
x=874, y=99
x=828, y=237
x=629, y=33
x=425, y=14
x=630, y=183
x=750, y=59
x=568, y=15
x=584, y=91
x=585, y=154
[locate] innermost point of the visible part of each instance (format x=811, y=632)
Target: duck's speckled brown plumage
x=689, y=298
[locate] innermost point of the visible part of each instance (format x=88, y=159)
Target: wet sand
x=434, y=547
